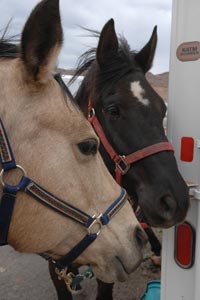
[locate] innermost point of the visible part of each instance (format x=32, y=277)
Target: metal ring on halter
x=91, y=113
x=97, y=221
x=3, y=172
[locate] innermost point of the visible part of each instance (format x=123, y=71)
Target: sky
x=134, y=19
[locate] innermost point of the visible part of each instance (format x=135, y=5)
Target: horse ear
x=41, y=41
x=145, y=57
x=108, y=43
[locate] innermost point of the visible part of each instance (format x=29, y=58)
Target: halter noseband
x=40, y=194
x=122, y=162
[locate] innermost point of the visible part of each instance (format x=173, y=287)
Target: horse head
x=131, y=115
x=58, y=148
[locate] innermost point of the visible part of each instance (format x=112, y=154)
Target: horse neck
x=88, y=88
x=82, y=98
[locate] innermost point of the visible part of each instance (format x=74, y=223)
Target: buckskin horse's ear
x=145, y=57
x=108, y=43
x=41, y=41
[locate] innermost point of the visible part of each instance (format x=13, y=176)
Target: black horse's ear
x=41, y=40
x=145, y=57
x=108, y=43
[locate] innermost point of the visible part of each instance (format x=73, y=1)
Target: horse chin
x=116, y=272
x=158, y=223
x=110, y=276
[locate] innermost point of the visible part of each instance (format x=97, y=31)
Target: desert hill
x=158, y=81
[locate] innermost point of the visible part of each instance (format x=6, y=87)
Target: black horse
x=131, y=114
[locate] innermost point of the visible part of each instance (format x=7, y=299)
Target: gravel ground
x=26, y=277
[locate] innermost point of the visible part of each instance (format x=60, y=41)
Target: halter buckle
x=121, y=164
x=96, y=223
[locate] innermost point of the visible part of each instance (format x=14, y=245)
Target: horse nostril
x=140, y=237
x=168, y=206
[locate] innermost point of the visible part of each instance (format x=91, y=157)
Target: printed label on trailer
x=188, y=51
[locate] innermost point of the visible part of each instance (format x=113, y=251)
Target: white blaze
x=138, y=92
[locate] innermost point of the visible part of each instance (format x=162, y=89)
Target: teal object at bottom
x=152, y=291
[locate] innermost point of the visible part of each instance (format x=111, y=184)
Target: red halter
x=122, y=162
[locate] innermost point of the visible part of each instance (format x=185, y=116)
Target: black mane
x=7, y=46
x=7, y=49
x=119, y=66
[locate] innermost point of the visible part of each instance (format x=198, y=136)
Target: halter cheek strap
x=122, y=162
x=48, y=199
x=138, y=155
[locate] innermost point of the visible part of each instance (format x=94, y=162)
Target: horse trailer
x=181, y=245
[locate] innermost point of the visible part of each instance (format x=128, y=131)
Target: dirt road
x=25, y=277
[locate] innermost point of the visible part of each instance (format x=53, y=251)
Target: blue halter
x=37, y=192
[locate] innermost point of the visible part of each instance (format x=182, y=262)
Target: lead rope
x=73, y=281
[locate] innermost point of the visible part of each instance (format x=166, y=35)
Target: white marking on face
x=138, y=92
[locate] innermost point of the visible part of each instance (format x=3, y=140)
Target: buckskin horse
x=127, y=115
x=71, y=196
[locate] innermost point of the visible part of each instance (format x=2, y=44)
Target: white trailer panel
x=184, y=121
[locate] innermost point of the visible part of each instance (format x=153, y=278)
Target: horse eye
x=88, y=147
x=113, y=111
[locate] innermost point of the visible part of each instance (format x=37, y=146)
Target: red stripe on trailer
x=187, y=149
